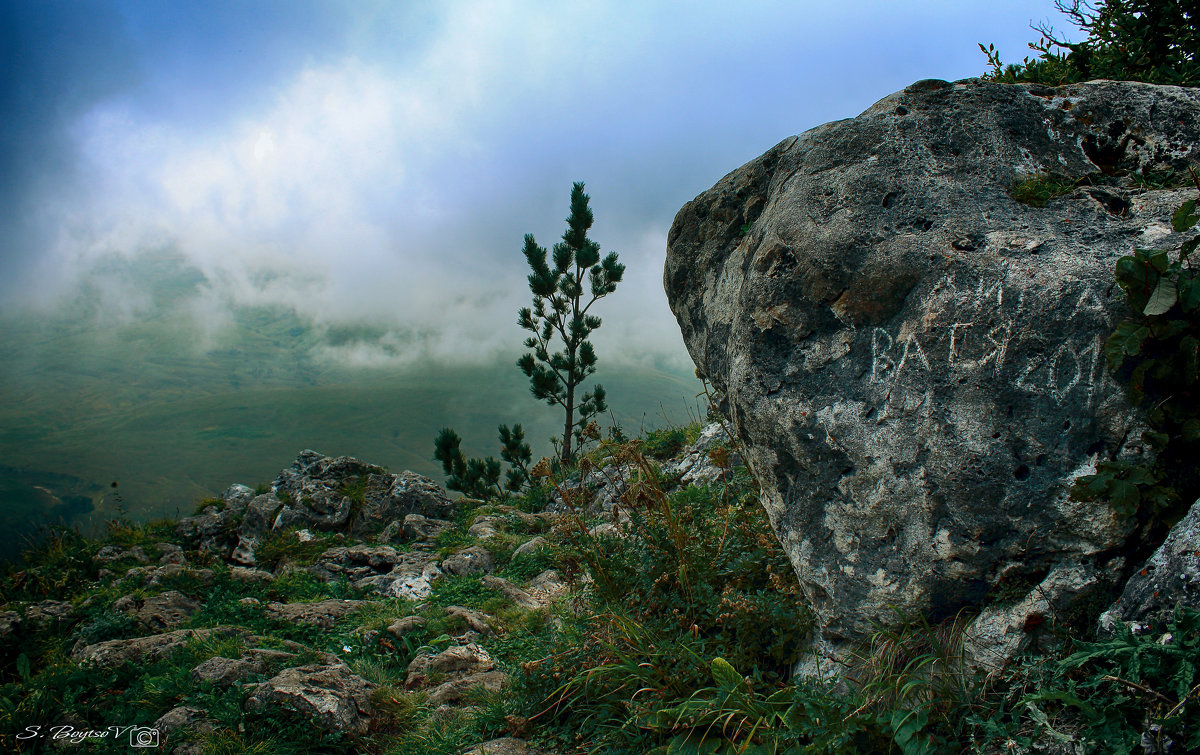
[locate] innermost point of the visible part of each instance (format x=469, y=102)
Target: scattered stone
x=10, y=621
x=225, y=671
x=485, y=526
x=406, y=625
x=345, y=494
x=457, y=659
x=152, y=576
x=171, y=554
x=244, y=574
x=184, y=717
x=548, y=586
x=334, y=697
x=163, y=611
x=1171, y=577
x=502, y=746
x=1000, y=633
x=456, y=690
x=323, y=613
x=473, y=560
x=214, y=527
x=48, y=611
x=511, y=591
x=141, y=650
x=420, y=527
x=911, y=359
x=532, y=546
x=243, y=552
x=476, y=621
x=599, y=490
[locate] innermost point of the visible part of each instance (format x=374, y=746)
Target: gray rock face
x=912, y=359
x=1169, y=578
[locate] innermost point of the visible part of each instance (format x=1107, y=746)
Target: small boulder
x=502, y=746
x=473, y=560
x=225, y=671
x=476, y=621
x=163, y=611
x=511, y=591
x=332, y=696
x=141, y=650
x=457, y=659
x=531, y=547
x=324, y=613
x=405, y=626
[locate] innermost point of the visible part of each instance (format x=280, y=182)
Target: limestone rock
x=457, y=690
x=214, y=527
x=696, y=466
x=323, y=613
x=225, y=671
x=407, y=625
x=243, y=574
x=333, y=696
x=531, y=547
x=420, y=527
x=345, y=494
x=912, y=359
x=162, y=611
x=1170, y=577
x=473, y=560
x=186, y=718
x=511, y=591
x=457, y=659
x=502, y=746
x=475, y=621
x=140, y=650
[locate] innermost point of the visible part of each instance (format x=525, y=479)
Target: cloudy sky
x=364, y=161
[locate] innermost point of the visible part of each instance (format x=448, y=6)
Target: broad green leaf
x=23, y=666
x=725, y=675
x=1163, y=298
x=1188, y=247
x=1191, y=430
x=1189, y=293
x=1158, y=259
x=1124, y=495
x=1185, y=217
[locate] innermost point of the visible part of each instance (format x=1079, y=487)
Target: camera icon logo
x=143, y=736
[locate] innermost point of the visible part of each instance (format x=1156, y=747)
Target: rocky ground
x=340, y=606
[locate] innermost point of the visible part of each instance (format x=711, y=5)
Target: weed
x=1036, y=191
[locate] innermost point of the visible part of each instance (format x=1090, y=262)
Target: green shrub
x=1156, y=41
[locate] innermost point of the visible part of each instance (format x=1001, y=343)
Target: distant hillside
x=173, y=415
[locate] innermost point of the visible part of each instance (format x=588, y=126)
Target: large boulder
x=911, y=358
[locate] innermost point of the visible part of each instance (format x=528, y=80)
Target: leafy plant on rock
x=1158, y=352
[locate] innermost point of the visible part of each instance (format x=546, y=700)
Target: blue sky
x=378, y=162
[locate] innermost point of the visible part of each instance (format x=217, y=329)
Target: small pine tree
x=480, y=478
x=560, y=314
